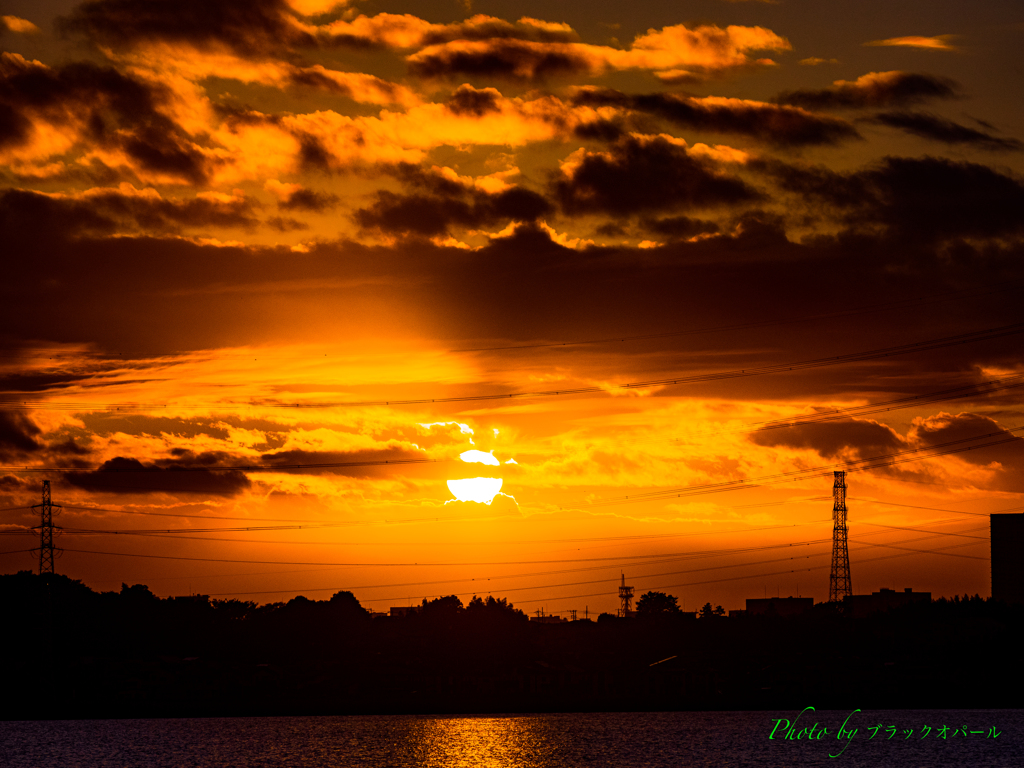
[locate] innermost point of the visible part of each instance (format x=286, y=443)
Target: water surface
x=619, y=740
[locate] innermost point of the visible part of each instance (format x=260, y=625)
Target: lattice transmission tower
x=626, y=596
x=46, y=529
x=839, y=581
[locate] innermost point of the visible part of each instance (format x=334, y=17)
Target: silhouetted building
x=1007, y=537
x=884, y=600
x=404, y=611
x=778, y=606
x=737, y=612
x=549, y=619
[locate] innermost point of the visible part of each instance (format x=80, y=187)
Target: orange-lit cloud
x=18, y=25
x=671, y=51
x=937, y=42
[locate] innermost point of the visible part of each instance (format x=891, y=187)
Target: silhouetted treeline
x=73, y=652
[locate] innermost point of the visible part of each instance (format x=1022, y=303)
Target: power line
x=939, y=509
x=224, y=468
x=948, y=554
x=652, y=560
x=161, y=531
x=189, y=516
x=612, y=579
x=731, y=578
x=617, y=559
x=513, y=589
x=943, y=533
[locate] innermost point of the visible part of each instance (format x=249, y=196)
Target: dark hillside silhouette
x=128, y=653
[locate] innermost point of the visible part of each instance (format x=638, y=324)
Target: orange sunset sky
x=276, y=271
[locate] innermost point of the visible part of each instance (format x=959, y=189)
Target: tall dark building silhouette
x=1007, y=541
x=839, y=586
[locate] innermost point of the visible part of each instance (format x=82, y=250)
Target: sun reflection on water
x=484, y=742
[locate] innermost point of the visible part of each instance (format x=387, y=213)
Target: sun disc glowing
x=478, y=489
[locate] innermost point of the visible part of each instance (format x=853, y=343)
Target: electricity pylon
x=626, y=597
x=46, y=529
x=839, y=581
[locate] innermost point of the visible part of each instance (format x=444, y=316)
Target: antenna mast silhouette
x=839, y=581
x=46, y=547
x=626, y=596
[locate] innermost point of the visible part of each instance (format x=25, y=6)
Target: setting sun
x=479, y=489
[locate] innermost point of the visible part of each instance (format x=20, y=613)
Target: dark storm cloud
x=780, y=125
x=114, y=110
x=236, y=115
x=948, y=428
x=248, y=27
x=314, y=79
x=184, y=295
x=309, y=200
x=28, y=215
x=84, y=173
x=18, y=435
x=25, y=378
x=66, y=448
x=878, y=89
x=161, y=215
x=255, y=28
x=681, y=227
x=313, y=155
x=441, y=203
x=937, y=128
x=10, y=483
x=108, y=210
x=467, y=100
x=925, y=199
x=123, y=475
x=14, y=126
x=857, y=440
x=934, y=198
x=647, y=175
x=186, y=457
x=284, y=459
x=498, y=29
x=286, y=224
x=600, y=130
x=862, y=439
x=507, y=59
